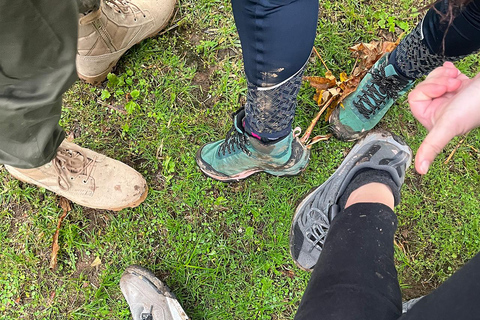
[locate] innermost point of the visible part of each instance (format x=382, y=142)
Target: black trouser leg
x=458, y=298
x=355, y=277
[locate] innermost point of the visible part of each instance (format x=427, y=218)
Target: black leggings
x=355, y=277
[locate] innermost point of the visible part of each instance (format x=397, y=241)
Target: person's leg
x=108, y=28
x=355, y=276
x=148, y=297
x=277, y=38
x=344, y=231
x=37, y=65
x=428, y=46
x=457, y=298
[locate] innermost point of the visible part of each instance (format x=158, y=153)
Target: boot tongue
x=89, y=18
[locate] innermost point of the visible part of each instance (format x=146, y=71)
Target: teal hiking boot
x=240, y=155
x=365, y=107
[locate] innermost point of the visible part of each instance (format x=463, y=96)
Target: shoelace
x=126, y=6
x=318, y=232
x=381, y=87
x=232, y=140
x=74, y=163
x=147, y=315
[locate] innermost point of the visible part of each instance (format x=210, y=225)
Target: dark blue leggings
x=277, y=37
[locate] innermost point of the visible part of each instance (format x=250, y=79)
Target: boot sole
x=98, y=79
x=19, y=176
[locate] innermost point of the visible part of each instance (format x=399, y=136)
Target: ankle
x=373, y=192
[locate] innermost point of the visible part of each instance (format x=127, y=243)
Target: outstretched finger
x=431, y=146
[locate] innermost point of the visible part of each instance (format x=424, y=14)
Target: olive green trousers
x=38, y=43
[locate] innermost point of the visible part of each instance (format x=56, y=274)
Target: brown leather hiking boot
x=105, y=34
x=87, y=178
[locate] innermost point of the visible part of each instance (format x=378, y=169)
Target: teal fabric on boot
x=365, y=107
x=240, y=155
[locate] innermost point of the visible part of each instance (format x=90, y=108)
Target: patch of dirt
x=84, y=266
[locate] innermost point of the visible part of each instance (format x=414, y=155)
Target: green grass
x=222, y=248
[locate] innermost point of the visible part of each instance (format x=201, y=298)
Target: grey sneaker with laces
x=379, y=150
x=87, y=178
x=148, y=297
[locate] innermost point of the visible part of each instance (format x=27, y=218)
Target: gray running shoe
x=148, y=297
x=379, y=150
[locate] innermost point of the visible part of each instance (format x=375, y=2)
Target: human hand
x=447, y=104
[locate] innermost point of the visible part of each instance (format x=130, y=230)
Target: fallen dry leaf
x=96, y=262
x=65, y=205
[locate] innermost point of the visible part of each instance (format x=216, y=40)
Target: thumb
x=431, y=146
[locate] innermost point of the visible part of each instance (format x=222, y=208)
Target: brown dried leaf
x=321, y=83
x=65, y=205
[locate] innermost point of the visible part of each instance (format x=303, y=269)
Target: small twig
x=320, y=57
x=119, y=108
x=354, y=66
x=455, y=150
x=471, y=147
x=315, y=120
x=176, y=25
x=400, y=246
x=319, y=138
x=65, y=205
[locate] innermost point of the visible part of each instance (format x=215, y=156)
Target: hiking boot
x=379, y=151
x=87, y=178
x=148, y=297
x=240, y=155
x=105, y=34
x=365, y=107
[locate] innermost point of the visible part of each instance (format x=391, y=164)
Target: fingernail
x=424, y=167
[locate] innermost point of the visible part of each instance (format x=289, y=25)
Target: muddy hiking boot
x=87, y=178
x=240, y=155
x=104, y=35
x=378, y=157
x=363, y=109
x=148, y=297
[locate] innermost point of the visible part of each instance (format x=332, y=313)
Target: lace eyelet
x=84, y=181
x=72, y=178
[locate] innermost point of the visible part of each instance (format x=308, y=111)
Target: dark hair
x=451, y=9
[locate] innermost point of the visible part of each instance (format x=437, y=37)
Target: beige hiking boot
x=87, y=178
x=105, y=34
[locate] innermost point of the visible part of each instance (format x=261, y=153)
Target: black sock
x=368, y=176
